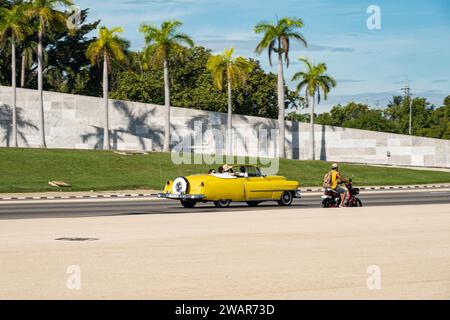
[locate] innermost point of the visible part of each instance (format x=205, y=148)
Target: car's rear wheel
x=188, y=203
x=222, y=203
x=286, y=199
x=253, y=203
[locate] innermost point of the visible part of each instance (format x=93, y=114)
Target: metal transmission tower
x=407, y=91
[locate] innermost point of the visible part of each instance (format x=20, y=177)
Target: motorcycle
x=332, y=199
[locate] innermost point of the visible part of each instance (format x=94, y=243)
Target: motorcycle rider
x=336, y=178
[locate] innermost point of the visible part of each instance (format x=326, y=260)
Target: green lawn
x=29, y=170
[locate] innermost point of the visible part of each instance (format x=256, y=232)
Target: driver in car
x=243, y=172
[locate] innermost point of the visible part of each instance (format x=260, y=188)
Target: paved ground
x=142, y=206
x=282, y=254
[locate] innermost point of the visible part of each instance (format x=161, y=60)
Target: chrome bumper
x=181, y=196
x=297, y=194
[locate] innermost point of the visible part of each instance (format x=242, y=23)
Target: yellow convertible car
x=242, y=183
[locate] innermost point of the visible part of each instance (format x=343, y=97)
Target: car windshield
x=253, y=172
x=247, y=171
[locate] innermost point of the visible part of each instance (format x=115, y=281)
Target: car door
x=221, y=188
x=257, y=187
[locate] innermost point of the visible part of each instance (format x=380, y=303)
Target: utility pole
x=407, y=91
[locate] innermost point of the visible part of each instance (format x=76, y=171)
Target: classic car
x=243, y=183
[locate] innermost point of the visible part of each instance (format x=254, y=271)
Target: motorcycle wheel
x=355, y=203
x=327, y=203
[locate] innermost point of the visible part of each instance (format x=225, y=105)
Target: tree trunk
x=230, y=119
x=106, y=145
x=14, y=95
x=22, y=72
x=311, y=121
x=40, y=89
x=281, y=114
x=166, y=147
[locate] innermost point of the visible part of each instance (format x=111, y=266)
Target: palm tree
x=47, y=15
x=106, y=48
x=13, y=27
x=236, y=71
x=28, y=49
x=160, y=44
x=277, y=38
x=314, y=81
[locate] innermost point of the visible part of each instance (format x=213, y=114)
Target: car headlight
x=179, y=186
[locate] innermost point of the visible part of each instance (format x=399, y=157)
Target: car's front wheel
x=188, y=203
x=222, y=203
x=286, y=199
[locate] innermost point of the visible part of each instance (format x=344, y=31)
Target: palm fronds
x=277, y=37
x=235, y=70
x=165, y=40
x=314, y=80
x=108, y=45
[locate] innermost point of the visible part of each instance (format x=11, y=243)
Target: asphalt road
x=138, y=206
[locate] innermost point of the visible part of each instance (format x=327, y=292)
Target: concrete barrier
x=74, y=121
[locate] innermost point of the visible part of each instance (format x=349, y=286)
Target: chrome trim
x=297, y=193
x=273, y=190
x=181, y=196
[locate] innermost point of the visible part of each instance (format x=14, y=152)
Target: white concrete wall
x=77, y=122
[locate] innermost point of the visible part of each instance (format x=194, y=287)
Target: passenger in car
x=227, y=169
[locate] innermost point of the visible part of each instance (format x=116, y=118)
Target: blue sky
x=370, y=65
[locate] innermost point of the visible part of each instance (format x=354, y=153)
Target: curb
x=148, y=195
x=100, y=196
x=437, y=186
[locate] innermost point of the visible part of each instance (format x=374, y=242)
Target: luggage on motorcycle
x=327, y=180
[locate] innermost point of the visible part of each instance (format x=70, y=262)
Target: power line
x=408, y=95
